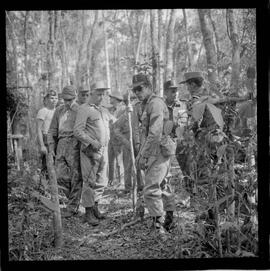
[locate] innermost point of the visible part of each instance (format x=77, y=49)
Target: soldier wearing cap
x=115, y=147
x=122, y=134
x=198, y=125
x=92, y=130
x=83, y=95
x=44, y=118
x=152, y=158
x=61, y=138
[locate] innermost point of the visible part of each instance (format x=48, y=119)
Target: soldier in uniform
x=152, y=158
x=44, y=118
x=115, y=147
x=122, y=134
x=61, y=138
x=83, y=95
x=92, y=130
x=198, y=126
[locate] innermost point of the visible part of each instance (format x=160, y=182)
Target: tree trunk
x=216, y=38
x=169, y=73
x=231, y=25
x=140, y=41
x=106, y=50
x=78, y=71
x=89, y=49
x=50, y=51
x=57, y=223
x=154, y=39
x=210, y=51
x=160, y=52
x=190, y=60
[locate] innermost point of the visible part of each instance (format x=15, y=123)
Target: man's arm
x=80, y=126
x=43, y=148
x=155, y=128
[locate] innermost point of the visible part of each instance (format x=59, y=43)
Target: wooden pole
x=57, y=223
x=133, y=170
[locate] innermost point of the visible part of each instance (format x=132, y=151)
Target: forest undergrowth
x=31, y=228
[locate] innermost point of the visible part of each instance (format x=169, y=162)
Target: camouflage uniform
x=92, y=124
x=155, y=114
x=67, y=161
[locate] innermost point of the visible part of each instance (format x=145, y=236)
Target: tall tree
x=89, y=48
x=160, y=52
x=190, y=59
x=154, y=41
x=211, y=56
x=233, y=35
x=169, y=73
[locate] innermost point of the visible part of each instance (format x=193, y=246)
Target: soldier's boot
x=168, y=222
x=97, y=213
x=157, y=225
x=89, y=217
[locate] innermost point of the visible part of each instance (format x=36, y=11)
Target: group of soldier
x=86, y=138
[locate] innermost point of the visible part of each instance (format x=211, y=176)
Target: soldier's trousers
x=127, y=161
x=94, y=173
x=114, y=156
x=68, y=171
x=156, y=198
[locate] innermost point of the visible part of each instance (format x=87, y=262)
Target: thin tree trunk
x=210, y=51
x=231, y=25
x=50, y=51
x=154, y=39
x=57, y=223
x=160, y=52
x=80, y=51
x=106, y=50
x=190, y=61
x=140, y=40
x=169, y=73
x=89, y=48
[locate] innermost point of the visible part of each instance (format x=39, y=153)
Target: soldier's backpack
x=167, y=144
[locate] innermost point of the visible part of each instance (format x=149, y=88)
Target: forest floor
x=31, y=233
x=136, y=241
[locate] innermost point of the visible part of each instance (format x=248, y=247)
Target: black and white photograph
x=132, y=134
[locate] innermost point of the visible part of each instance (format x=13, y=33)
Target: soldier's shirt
x=92, y=124
x=155, y=113
x=62, y=123
x=46, y=115
x=121, y=127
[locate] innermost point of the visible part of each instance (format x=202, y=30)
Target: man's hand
x=142, y=162
x=43, y=150
x=96, y=146
x=51, y=151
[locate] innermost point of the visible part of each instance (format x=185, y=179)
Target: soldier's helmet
x=191, y=75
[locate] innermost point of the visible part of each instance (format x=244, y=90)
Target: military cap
x=50, y=93
x=68, y=92
x=191, y=75
x=99, y=86
x=82, y=89
x=169, y=84
x=140, y=79
x=117, y=95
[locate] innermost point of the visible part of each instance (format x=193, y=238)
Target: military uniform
x=92, y=124
x=67, y=153
x=200, y=122
x=115, y=148
x=155, y=114
x=122, y=134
